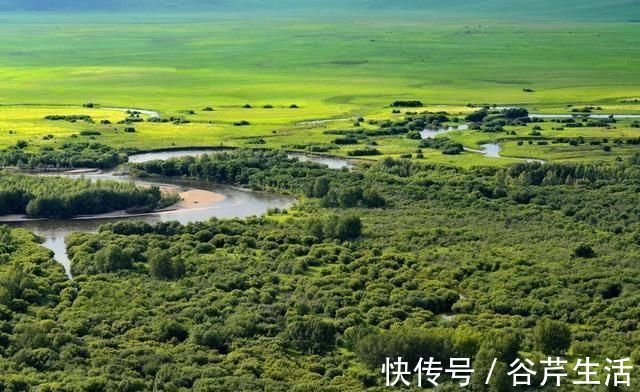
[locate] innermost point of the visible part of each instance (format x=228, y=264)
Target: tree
x=47, y=207
x=372, y=199
x=584, y=251
x=209, y=336
x=312, y=334
x=171, y=330
x=408, y=343
x=22, y=144
x=350, y=197
x=477, y=116
x=348, y=227
x=160, y=264
x=330, y=200
x=552, y=337
x=321, y=187
x=315, y=228
x=514, y=113
x=111, y=258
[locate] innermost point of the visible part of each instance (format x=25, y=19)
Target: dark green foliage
x=495, y=121
x=552, y=337
x=373, y=199
x=414, y=135
x=69, y=155
x=345, y=140
x=408, y=343
x=90, y=133
x=321, y=187
x=447, y=146
x=347, y=227
x=477, y=116
x=584, y=251
x=515, y=113
x=69, y=118
x=311, y=334
x=407, y=104
x=171, y=331
x=462, y=263
x=363, y=152
x=258, y=140
x=163, y=266
x=22, y=144
x=50, y=197
x=111, y=258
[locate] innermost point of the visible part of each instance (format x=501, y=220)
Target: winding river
x=229, y=202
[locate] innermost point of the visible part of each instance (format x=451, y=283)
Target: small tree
x=315, y=228
x=160, y=264
x=312, y=334
x=321, y=187
x=348, y=227
x=584, y=251
x=372, y=199
x=552, y=337
x=171, y=330
x=111, y=258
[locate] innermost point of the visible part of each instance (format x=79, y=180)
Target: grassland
x=333, y=69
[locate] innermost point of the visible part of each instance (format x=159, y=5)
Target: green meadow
x=332, y=67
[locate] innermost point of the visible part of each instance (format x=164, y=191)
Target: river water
x=237, y=203
x=430, y=133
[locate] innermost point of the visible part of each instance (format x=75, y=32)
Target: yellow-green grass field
x=334, y=69
x=292, y=129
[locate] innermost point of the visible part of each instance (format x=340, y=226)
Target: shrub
x=163, y=266
x=414, y=135
x=311, y=334
x=584, y=251
x=111, y=258
x=364, y=152
x=552, y=337
x=171, y=330
x=407, y=104
x=90, y=133
x=345, y=140
x=348, y=227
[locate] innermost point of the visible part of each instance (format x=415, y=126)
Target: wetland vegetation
x=452, y=180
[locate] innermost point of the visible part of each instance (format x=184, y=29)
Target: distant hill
x=569, y=9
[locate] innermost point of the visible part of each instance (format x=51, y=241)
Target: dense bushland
x=58, y=197
x=529, y=260
x=69, y=155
